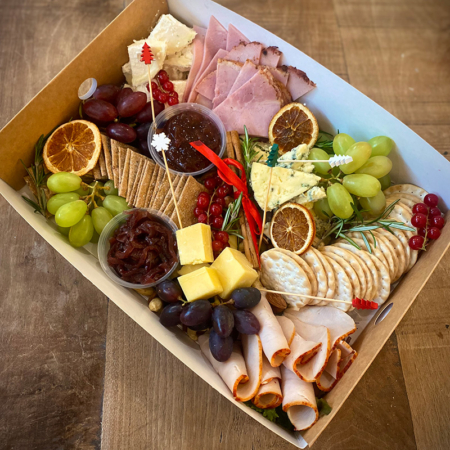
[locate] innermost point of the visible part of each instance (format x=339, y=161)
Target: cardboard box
x=336, y=104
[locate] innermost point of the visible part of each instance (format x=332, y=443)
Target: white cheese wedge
x=311, y=196
x=174, y=73
x=179, y=87
x=174, y=33
x=138, y=68
x=126, y=69
x=286, y=184
x=300, y=152
x=182, y=60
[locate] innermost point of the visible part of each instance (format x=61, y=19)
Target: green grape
x=317, y=153
x=381, y=145
x=377, y=166
x=82, y=192
x=112, y=189
x=340, y=201
x=81, y=233
x=63, y=182
x=58, y=200
x=322, y=208
x=100, y=216
x=115, y=205
x=341, y=143
x=98, y=183
x=385, y=181
x=374, y=205
x=360, y=152
x=70, y=213
x=362, y=185
x=64, y=230
x=95, y=237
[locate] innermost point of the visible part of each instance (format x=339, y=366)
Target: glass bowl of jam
x=182, y=124
x=138, y=248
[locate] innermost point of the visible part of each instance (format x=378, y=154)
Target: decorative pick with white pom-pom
x=334, y=161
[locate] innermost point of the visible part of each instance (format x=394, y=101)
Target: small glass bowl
x=103, y=246
x=171, y=111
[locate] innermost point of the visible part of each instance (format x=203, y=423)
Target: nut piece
x=277, y=302
x=147, y=291
x=156, y=305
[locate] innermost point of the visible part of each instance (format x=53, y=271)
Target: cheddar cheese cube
x=200, y=284
x=234, y=271
x=191, y=268
x=195, y=245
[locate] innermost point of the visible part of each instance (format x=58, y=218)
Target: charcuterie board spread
x=212, y=190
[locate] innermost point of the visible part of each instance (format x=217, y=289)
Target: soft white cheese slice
x=179, y=87
x=182, y=60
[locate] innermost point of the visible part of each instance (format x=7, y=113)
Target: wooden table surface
x=77, y=373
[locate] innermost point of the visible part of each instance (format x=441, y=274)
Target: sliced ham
x=243, y=52
x=202, y=100
x=270, y=56
x=254, y=104
x=298, y=84
x=196, y=60
x=207, y=86
x=248, y=71
x=330, y=376
x=299, y=400
x=235, y=37
x=227, y=72
x=279, y=74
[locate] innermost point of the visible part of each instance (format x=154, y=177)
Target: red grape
x=210, y=183
x=222, y=192
x=431, y=200
x=198, y=211
x=217, y=222
x=416, y=242
x=217, y=246
x=419, y=220
x=434, y=233
x=107, y=92
x=172, y=101
x=203, y=203
x=125, y=92
x=100, y=110
x=222, y=236
x=162, y=76
x=167, y=86
x=169, y=291
x=131, y=104
x=142, y=130
x=145, y=115
x=422, y=232
x=221, y=348
x=196, y=313
x=202, y=218
x=144, y=147
x=246, y=322
x=121, y=132
x=170, y=316
x=216, y=210
x=438, y=222
x=223, y=321
x=420, y=208
x=435, y=212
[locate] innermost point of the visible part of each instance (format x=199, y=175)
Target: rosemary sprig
x=232, y=217
x=325, y=142
x=248, y=149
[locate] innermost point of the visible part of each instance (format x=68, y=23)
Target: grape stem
x=90, y=198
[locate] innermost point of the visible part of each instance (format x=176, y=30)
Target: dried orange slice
x=293, y=125
x=293, y=228
x=73, y=147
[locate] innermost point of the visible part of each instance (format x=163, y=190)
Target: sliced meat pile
x=243, y=82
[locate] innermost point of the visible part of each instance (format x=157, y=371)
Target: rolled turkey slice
x=274, y=343
x=348, y=355
x=269, y=393
x=288, y=328
x=338, y=322
x=227, y=72
x=299, y=400
x=331, y=375
x=299, y=84
x=270, y=56
x=269, y=373
x=235, y=37
x=243, y=52
x=197, y=58
x=207, y=86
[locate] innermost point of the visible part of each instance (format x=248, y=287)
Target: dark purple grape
x=223, y=321
x=131, y=104
x=107, y=92
x=100, y=110
x=146, y=113
x=203, y=326
x=143, y=145
x=169, y=291
x=246, y=298
x=170, y=315
x=221, y=348
x=125, y=92
x=246, y=322
x=196, y=313
x=121, y=132
x=142, y=130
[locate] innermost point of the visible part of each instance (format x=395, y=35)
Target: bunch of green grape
x=363, y=179
x=82, y=211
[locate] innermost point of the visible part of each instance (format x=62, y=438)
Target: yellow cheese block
x=191, y=268
x=233, y=241
x=234, y=270
x=195, y=245
x=202, y=283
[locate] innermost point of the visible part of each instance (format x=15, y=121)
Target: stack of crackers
x=144, y=184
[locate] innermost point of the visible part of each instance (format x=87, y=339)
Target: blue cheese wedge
x=311, y=196
x=175, y=34
x=182, y=60
x=286, y=184
x=300, y=152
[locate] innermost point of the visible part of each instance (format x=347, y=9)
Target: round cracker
x=408, y=204
x=319, y=271
x=353, y=277
x=375, y=250
x=344, y=290
x=305, y=266
x=402, y=196
x=400, y=252
x=331, y=279
x=401, y=236
x=406, y=189
x=282, y=273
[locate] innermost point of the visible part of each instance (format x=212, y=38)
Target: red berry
x=210, y=183
x=215, y=210
x=156, y=93
x=420, y=208
x=435, y=212
x=172, y=101
x=174, y=94
x=168, y=86
x=205, y=195
x=422, y=232
x=203, y=203
x=438, y=222
x=227, y=244
x=220, y=201
x=198, y=211
x=222, y=236
x=236, y=194
x=222, y=192
x=431, y=200
x=416, y=242
x=163, y=97
x=217, y=222
x=217, y=246
x=419, y=220
x=162, y=76
x=154, y=86
x=434, y=233
x=219, y=181
x=202, y=218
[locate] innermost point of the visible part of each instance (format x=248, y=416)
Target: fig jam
x=186, y=127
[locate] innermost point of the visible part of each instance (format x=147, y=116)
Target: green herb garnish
x=276, y=415
x=249, y=152
x=323, y=407
x=232, y=217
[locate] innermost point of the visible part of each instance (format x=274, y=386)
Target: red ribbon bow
x=227, y=175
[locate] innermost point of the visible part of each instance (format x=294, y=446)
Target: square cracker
x=134, y=165
x=187, y=202
x=143, y=188
x=168, y=197
x=125, y=174
x=168, y=210
x=97, y=173
x=115, y=162
x=152, y=184
x=106, y=145
x=158, y=185
x=136, y=182
x=122, y=158
x=101, y=163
